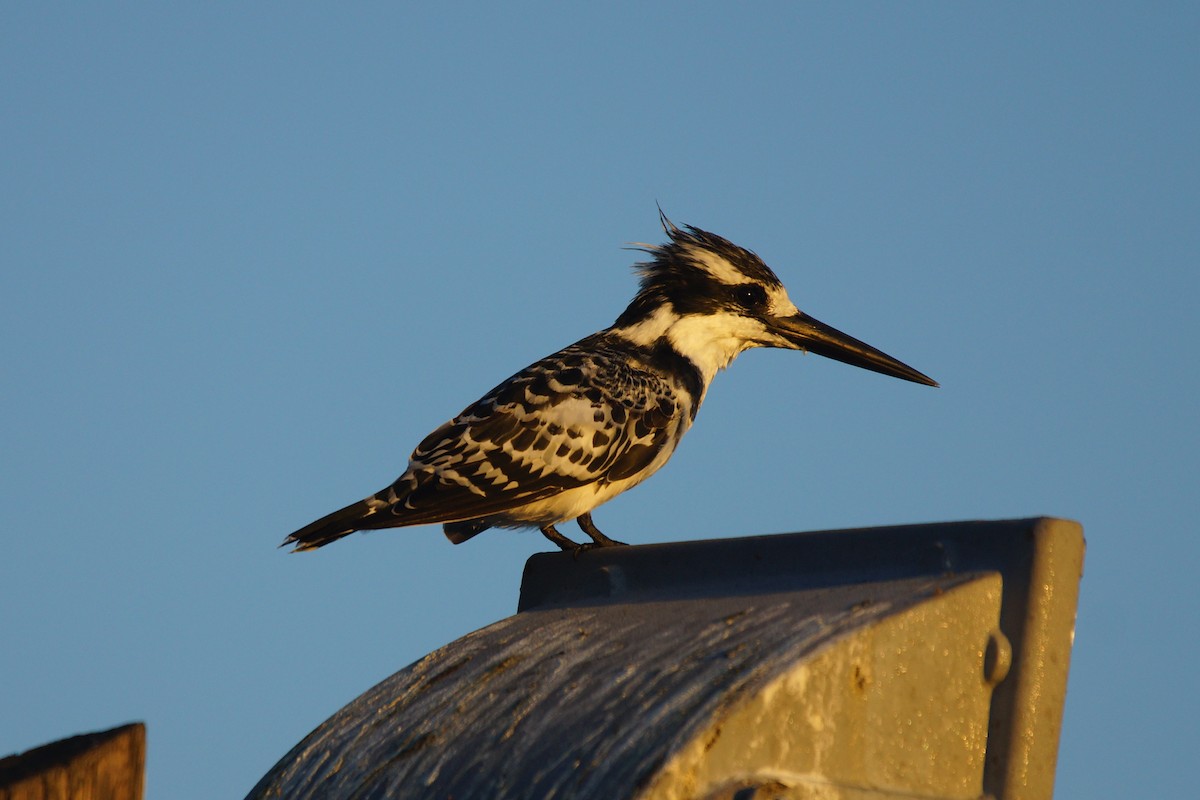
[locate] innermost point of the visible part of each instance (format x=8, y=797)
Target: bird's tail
x=331, y=527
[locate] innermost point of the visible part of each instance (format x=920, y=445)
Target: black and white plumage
x=598, y=417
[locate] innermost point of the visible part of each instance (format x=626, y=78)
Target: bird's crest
x=669, y=228
x=685, y=269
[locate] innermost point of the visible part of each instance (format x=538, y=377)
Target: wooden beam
x=107, y=765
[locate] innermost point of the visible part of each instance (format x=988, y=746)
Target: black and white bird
x=598, y=417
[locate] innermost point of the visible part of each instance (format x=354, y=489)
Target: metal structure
x=920, y=661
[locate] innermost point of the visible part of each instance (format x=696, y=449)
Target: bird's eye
x=751, y=296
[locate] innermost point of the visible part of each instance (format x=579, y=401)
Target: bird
x=579, y=427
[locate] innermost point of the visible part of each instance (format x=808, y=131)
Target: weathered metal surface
x=809, y=665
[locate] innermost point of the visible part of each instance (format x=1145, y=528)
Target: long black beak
x=805, y=333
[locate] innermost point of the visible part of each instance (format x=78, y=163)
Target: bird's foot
x=565, y=544
x=598, y=538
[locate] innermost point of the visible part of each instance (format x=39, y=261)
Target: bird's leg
x=563, y=542
x=589, y=527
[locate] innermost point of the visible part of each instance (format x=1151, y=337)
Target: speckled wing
x=581, y=416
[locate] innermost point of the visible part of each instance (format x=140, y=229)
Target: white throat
x=710, y=341
x=713, y=342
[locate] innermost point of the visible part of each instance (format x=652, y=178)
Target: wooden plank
x=107, y=765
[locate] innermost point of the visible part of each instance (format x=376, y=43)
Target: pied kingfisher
x=579, y=427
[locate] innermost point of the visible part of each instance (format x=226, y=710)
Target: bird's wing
x=569, y=420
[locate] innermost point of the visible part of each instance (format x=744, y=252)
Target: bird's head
x=712, y=300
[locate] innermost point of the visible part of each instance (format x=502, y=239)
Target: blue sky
x=253, y=253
